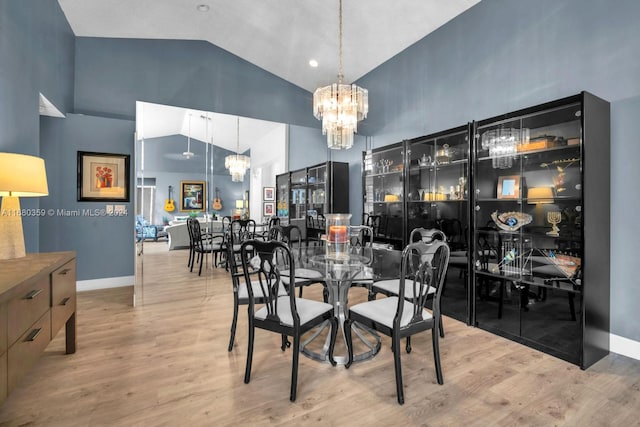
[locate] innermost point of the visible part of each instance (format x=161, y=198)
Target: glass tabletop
x=367, y=263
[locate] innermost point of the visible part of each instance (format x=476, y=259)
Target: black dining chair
x=239, y=231
x=241, y=293
x=201, y=244
x=403, y=316
x=285, y=315
x=391, y=287
x=291, y=235
x=361, y=237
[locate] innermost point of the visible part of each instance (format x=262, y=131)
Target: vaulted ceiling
x=280, y=36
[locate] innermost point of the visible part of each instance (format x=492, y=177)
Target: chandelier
x=237, y=163
x=340, y=106
x=503, y=145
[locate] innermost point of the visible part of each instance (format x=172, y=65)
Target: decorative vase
x=337, y=229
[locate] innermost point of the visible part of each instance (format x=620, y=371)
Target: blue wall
x=500, y=56
x=36, y=55
x=104, y=244
x=112, y=74
x=164, y=162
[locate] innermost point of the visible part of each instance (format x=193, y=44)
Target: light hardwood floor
x=166, y=363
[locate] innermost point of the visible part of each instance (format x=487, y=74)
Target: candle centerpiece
x=337, y=235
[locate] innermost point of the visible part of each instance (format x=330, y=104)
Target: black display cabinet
x=312, y=191
x=437, y=196
x=540, y=179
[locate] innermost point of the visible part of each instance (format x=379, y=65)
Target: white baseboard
x=108, y=282
x=624, y=346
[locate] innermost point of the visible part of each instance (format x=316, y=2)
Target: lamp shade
x=22, y=176
x=540, y=195
x=239, y=204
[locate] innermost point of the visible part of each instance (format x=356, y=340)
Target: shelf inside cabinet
x=528, y=152
x=385, y=173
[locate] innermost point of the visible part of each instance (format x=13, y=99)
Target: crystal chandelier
x=503, y=145
x=237, y=163
x=340, y=106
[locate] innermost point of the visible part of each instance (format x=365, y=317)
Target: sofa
x=179, y=235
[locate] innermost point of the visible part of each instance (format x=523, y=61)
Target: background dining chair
x=291, y=235
x=391, y=287
x=201, y=243
x=285, y=315
x=273, y=221
x=400, y=316
x=361, y=236
x=239, y=231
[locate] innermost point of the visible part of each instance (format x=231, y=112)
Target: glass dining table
x=339, y=272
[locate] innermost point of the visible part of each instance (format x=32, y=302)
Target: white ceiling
x=156, y=120
x=280, y=36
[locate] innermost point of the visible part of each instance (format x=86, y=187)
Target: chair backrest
x=373, y=221
x=427, y=235
x=488, y=246
x=273, y=221
x=226, y=222
x=259, y=265
x=195, y=234
x=423, y=267
x=456, y=237
x=242, y=230
x=360, y=238
x=291, y=235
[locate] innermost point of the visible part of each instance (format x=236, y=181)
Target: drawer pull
x=34, y=293
x=64, y=272
x=34, y=334
x=65, y=301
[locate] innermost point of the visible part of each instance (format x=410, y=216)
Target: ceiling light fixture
x=237, y=163
x=188, y=154
x=340, y=106
x=313, y=63
x=202, y=8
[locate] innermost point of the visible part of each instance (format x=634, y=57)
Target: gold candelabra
x=554, y=218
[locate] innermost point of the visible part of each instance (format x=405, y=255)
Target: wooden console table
x=37, y=297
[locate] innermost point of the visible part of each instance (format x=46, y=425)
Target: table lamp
x=20, y=176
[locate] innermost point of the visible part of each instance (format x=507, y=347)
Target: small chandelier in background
x=237, y=163
x=340, y=106
x=503, y=145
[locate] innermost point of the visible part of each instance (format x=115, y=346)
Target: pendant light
x=237, y=163
x=188, y=154
x=340, y=106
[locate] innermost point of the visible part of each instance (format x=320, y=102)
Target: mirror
x=180, y=172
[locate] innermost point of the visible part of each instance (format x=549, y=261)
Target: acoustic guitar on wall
x=217, y=203
x=169, y=204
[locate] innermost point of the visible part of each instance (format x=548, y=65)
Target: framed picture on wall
x=192, y=195
x=268, y=208
x=509, y=187
x=103, y=177
x=269, y=194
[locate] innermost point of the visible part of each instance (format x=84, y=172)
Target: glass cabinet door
x=384, y=194
x=317, y=180
x=437, y=197
x=528, y=232
x=298, y=195
x=282, y=196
